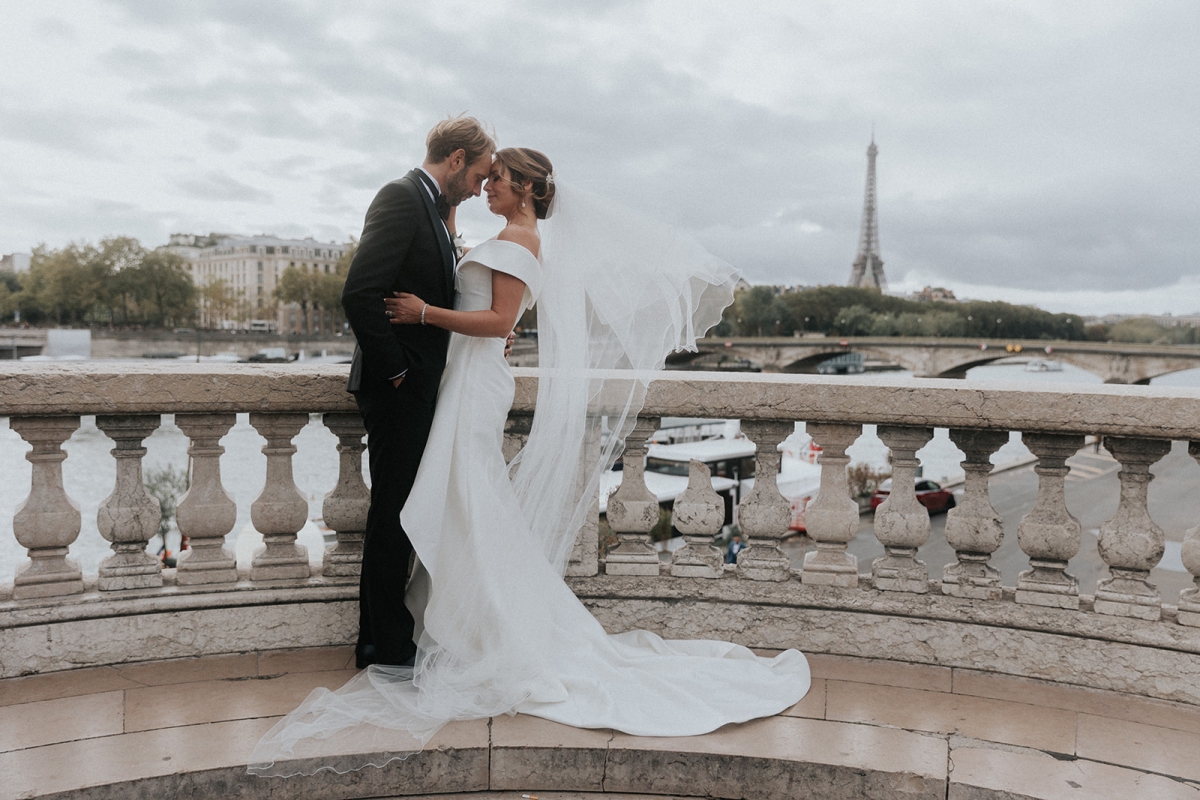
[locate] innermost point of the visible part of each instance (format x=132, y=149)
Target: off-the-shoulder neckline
x=505, y=241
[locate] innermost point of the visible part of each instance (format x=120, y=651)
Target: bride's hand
x=404, y=308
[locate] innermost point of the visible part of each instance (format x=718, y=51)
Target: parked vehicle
x=929, y=494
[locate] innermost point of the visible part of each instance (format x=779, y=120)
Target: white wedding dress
x=498, y=629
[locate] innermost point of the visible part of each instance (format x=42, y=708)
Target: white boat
x=1041, y=365
x=667, y=467
x=730, y=460
x=324, y=357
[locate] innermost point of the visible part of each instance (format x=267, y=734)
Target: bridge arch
x=808, y=362
x=952, y=358
x=960, y=370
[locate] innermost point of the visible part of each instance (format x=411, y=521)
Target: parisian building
x=251, y=267
x=15, y=262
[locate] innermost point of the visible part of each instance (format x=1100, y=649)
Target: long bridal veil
x=619, y=293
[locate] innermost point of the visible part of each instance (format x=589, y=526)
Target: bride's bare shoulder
x=522, y=235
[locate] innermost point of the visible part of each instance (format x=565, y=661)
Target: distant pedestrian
x=736, y=545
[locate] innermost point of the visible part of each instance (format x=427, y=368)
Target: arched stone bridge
x=951, y=358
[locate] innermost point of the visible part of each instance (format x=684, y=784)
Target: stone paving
x=866, y=729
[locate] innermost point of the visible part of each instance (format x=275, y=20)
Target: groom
x=405, y=247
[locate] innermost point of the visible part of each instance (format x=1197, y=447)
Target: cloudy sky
x=1032, y=151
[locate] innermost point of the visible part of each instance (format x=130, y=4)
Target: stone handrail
x=1126, y=637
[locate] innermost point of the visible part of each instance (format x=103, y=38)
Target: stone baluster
x=48, y=521
x=633, y=509
x=516, y=433
x=585, y=553
x=1130, y=543
x=901, y=522
x=764, y=515
x=1048, y=534
x=699, y=514
x=974, y=529
x=130, y=516
x=207, y=512
x=832, y=518
x=281, y=510
x=1189, y=599
x=345, y=508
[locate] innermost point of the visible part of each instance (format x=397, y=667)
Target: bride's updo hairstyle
x=523, y=165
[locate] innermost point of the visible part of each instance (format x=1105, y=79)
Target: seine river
x=89, y=471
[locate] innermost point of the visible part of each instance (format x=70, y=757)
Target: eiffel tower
x=867, y=272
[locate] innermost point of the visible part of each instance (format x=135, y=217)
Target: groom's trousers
x=397, y=422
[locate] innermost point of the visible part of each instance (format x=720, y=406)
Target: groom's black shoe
x=364, y=656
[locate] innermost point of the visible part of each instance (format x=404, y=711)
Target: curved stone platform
x=867, y=729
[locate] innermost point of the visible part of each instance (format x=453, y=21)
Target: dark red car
x=929, y=494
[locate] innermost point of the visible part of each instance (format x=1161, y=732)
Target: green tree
x=10, y=291
x=327, y=295
x=78, y=284
x=113, y=259
x=163, y=288
x=854, y=320
x=760, y=312
x=347, y=258
x=844, y=310
x=59, y=286
x=1147, y=331
x=217, y=299
x=298, y=286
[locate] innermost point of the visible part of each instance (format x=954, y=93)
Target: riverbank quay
x=114, y=344
x=1125, y=639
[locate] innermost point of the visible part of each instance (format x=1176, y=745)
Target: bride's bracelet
x=423, y=313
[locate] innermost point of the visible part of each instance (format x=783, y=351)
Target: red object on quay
x=929, y=494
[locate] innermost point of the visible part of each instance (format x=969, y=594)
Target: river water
x=89, y=472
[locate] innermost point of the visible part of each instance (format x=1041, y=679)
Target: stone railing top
x=30, y=389
x=127, y=388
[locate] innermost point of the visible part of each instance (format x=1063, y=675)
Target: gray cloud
x=86, y=132
x=221, y=143
x=217, y=186
x=1020, y=144
x=88, y=219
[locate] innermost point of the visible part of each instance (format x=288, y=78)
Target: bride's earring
x=522, y=204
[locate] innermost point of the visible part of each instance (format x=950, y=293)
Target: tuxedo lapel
x=439, y=230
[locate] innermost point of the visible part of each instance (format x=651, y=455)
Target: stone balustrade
x=1126, y=637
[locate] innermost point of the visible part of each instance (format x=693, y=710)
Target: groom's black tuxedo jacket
x=404, y=248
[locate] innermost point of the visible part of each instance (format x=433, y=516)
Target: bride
x=498, y=629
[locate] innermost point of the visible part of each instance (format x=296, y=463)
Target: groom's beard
x=456, y=186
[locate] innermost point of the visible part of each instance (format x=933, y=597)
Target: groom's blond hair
x=458, y=133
